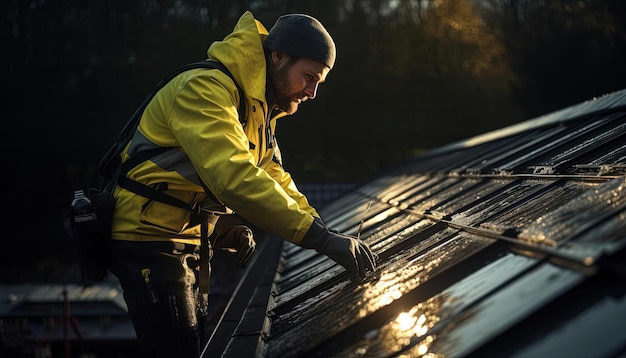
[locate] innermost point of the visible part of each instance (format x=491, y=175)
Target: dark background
x=409, y=76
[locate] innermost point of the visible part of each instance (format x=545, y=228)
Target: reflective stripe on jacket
x=196, y=115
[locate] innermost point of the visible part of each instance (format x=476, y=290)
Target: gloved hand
x=231, y=234
x=354, y=255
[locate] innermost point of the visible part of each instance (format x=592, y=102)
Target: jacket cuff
x=315, y=236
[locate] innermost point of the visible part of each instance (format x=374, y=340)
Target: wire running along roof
x=507, y=244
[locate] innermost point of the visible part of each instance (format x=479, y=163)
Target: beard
x=285, y=101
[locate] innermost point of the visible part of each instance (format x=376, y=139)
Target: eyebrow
x=319, y=77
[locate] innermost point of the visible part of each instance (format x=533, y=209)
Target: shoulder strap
x=132, y=124
x=109, y=167
x=107, y=164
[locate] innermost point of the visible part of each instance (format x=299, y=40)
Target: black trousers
x=161, y=289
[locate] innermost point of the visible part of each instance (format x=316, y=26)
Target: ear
x=278, y=58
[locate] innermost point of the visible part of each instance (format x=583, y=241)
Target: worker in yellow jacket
x=227, y=167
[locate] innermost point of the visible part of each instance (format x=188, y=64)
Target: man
x=228, y=168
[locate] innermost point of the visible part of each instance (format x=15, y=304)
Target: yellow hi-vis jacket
x=195, y=114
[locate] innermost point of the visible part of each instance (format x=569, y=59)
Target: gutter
x=240, y=329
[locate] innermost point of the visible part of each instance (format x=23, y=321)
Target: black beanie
x=301, y=35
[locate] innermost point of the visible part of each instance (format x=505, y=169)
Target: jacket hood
x=242, y=53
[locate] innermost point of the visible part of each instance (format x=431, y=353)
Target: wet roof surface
x=512, y=244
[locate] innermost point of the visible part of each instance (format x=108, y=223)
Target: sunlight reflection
x=381, y=217
x=406, y=334
x=395, y=281
x=408, y=330
x=391, y=285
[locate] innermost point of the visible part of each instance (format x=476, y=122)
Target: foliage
x=564, y=51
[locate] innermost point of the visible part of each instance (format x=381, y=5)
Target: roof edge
x=612, y=101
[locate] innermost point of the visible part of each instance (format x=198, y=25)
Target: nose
x=311, y=89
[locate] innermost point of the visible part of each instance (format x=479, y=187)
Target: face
x=295, y=80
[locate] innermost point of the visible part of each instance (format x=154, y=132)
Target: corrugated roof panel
x=388, y=242
x=471, y=197
x=450, y=191
x=401, y=185
x=503, y=308
x=561, y=193
x=512, y=243
x=578, y=215
x=503, y=150
x=549, y=146
x=397, y=278
x=606, y=238
x=582, y=148
x=418, y=325
x=423, y=191
x=537, y=199
x=321, y=271
x=609, y=103
x=510, y=194
x=371, y=210
x=535, y=204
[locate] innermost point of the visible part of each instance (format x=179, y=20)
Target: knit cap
x=301, y=35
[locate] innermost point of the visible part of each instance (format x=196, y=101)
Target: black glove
x=231, y=234
x=354, y=255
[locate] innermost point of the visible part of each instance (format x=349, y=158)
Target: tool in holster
x=145, y=273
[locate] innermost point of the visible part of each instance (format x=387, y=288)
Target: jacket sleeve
x=276, y=171
x=205, y=123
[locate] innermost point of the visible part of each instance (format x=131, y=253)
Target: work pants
x=161, y=288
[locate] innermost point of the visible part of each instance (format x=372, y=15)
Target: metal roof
x=99, y=311
x=511, y=243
